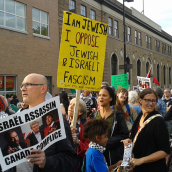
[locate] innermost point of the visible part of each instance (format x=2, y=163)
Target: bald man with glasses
x=61, y=156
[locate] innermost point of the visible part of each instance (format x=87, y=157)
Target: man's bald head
x=34, y=93
x=38, y=77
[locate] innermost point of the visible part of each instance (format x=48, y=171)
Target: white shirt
x=38, y=136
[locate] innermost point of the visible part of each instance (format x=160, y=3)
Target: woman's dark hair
x=111, y=94
x=118, y=104
x=64, y=100
x=95, y=127
x=148, y=91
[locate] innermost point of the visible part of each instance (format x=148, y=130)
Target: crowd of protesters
x=107, y=120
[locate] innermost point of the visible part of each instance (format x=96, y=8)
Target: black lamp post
x=125, y=61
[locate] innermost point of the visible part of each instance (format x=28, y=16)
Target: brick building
x=30, y=32
x=146, y=43
x=29, y=39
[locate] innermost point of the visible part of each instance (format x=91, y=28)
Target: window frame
x=116, y=33
x=70, y=5
x=147, y=42
x=82, y=10
x=150, y=43
x=156, y=48
x=169, y=51
x=92, y=15
x=15, y=17
x=136, y=37
x=129, y=34
x=36, y=34
x=140, y=38
x=6, y=92
x=110, y=26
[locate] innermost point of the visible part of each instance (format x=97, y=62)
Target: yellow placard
x=82, y=53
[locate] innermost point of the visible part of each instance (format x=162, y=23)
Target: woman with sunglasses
x=150, y=136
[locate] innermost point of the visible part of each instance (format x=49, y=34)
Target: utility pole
x=125, y=60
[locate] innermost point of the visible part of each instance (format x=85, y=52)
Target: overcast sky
x=160, y=11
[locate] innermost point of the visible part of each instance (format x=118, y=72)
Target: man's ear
x=43, y=89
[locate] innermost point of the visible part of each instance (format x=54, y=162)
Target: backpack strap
x=114, y=122
x=144, y=124
x=128, y=108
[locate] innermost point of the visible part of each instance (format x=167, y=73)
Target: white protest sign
x=127, y=155
x=14, y=132
x=143, y=83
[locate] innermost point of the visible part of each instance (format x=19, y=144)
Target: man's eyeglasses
x=26, y=85
x=166, y=92
x=150, y=101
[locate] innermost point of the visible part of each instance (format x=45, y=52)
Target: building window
x=92, y=15
x=40, y=22
x=147, y=68
x=158, y=47
x=136, y=37
x=138, y=67
x=72, y=6
x=164, y=74
x=140, y=39
x=169, y=75
x=114, y=64
x=110, y=26
x=163, y=49
x=150, y=43
x=158, y=72
x=147, y=43
x=129, y=34
x=116, y=28
x=13, y=14
x=8, y=85
x=83, y=11
x=169, y=51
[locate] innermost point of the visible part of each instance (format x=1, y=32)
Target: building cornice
x=119, y=10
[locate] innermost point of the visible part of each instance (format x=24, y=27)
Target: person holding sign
x=150, y=136
x=127, y=110
x=117, y=129
x=60, y=156
x=77, y=133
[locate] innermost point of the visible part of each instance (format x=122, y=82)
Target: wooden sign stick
x=75, y=115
